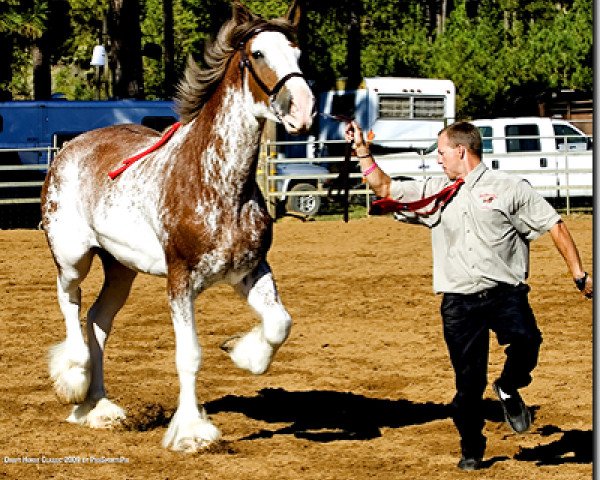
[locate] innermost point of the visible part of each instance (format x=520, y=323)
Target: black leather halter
x=245, y=63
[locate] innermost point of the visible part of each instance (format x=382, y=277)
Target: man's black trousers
x=467, y=321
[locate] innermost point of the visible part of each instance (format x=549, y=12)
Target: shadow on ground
x=574, y=446
x=325, y=416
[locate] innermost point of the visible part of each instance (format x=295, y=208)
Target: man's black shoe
x=469, y=463
x=516, y=412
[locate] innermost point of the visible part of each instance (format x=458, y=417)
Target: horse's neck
x=231, y=138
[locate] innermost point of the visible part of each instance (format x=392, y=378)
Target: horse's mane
x=198, y=83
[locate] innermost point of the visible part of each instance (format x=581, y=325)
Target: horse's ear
x=241, y=13
x=295, y=12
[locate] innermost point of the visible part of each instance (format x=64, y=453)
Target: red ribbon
x=388, y=205
x=127, y=162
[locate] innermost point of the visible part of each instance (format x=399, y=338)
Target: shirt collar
x=474, y=175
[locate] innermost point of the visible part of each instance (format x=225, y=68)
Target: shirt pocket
x=493, y=225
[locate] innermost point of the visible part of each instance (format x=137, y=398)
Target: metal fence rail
x=12, y=176
x=551, y=179
x=559, y=180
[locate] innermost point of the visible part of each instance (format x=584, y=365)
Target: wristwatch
x=580, y=282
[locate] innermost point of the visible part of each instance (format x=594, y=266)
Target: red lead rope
x=128, y=161
x=387, y=205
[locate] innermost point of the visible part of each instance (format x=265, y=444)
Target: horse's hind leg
x=97, y=411
x=69, y=361
x=255, y=350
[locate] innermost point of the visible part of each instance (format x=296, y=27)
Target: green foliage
x=560, y=53
x=23, y=19
x=471, y=54
x=396, y=42
x=497, y=52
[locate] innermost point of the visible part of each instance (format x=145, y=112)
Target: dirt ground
x=360, y=389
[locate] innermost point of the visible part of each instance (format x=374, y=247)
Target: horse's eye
x=258, y=54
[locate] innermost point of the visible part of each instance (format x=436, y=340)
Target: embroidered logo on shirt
x=488, y=197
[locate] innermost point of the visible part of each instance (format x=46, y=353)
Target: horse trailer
x=39, y=125
x=404, y=114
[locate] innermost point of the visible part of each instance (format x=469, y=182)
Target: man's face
x=451, y=158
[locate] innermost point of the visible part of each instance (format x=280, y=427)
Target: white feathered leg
x=69, y=361
x=97, y=411
x=190, y=429
x=255, y=350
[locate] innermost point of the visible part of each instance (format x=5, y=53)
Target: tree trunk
x=169, y=50
x=42, y=80
x=444, y=16
x=6, y=53
x=353, y=51
x=434, y=17
x=126, y=50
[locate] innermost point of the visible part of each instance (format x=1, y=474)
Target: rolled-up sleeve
x=407, y=190
x=533, y=215
x=413, y=190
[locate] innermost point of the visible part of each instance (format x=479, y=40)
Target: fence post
x=271, y=207
x=568, y=185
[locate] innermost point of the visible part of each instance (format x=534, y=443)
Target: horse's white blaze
x=282, y=58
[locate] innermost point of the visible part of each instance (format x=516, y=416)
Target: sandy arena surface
x=360, y=389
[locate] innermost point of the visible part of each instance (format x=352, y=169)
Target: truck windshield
x=572, y=136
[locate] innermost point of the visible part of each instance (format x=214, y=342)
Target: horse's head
x=270, y=72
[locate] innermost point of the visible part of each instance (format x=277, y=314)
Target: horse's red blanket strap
x=127, y=162
x=387, y=205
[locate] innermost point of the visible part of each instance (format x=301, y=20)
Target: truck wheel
x=305, y=204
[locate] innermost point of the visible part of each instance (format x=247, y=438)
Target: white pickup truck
x=552, y=154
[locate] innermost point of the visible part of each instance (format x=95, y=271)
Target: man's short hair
x=465, y=134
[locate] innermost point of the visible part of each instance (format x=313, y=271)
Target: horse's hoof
x=191, y=445
x=228, y=345
x=100, y=414
x=190, y=435
x=105, y=414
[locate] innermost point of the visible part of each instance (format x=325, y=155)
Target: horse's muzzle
x=296, y=103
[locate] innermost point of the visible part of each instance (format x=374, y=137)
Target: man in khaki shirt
x=480, y=233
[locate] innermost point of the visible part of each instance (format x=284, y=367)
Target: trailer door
x=21, y=128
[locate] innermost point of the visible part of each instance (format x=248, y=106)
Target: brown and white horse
x=190, y=211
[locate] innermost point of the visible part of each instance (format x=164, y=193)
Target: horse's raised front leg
x=97, y=411
x=254, y=351
x=190, y=429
